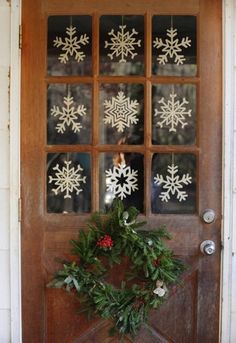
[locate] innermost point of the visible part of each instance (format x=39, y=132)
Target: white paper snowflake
x=71, y=45
x=171, y=47
x=172, y=113
x=67, y=179
x=121, y=180
x=122, y=43
x=120, y=112
x=173, y=184
x=68, y=115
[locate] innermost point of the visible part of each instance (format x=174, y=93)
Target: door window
x=122, y=112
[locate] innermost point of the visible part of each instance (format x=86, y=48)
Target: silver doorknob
x=208, y=247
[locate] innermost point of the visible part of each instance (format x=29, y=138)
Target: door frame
x=229, y=16
x=227, y=165
x=14, y=161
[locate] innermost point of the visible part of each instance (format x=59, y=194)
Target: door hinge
x=20, y=36
x=19, y=209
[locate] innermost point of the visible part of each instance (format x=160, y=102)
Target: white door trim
x=15, y=260
x=229, y=31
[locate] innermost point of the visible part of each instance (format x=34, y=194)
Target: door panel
x=51, y=215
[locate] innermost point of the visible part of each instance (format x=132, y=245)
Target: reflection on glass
x=121, y=114
x=121, y=176
x=69, y=114
x=173, y=183
x=122, y=45
x=69, y=45
x=174, y=45
x=174, y=114
x=68, y=183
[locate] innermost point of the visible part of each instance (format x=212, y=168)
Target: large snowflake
x=71, y=45
x=121, y=111
x=173, y=112
x=173, y=184
x=122, y=43
x=67, y=179
x=121, y=180
x=68, y=115
x=171, y=47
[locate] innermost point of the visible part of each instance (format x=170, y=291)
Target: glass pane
x=173, y=183
x=69, y=45
x=121, y=176
x=174, y=114
x=121, y=114
x=68, y=182
x=69, y=114
x=122, y=45
x=174, y=45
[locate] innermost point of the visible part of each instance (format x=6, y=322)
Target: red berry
x=105, y=242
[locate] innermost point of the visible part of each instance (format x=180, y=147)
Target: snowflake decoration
x=67, y=179
x=71, y=46
x=121, y=112
x=171, y=47
x=172, y=113
x=68, y=115
x=122, y=180
x=122, y=43
x=173, y=184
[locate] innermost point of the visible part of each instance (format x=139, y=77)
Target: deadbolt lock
x=208, y=216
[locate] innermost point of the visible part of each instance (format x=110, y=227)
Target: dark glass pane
x=173, y=183
x=174, y=114
x=122, y=45
x=70, y=45
x=121, y=176
x=69, y=114
x=174, y=45
x=121, y=114
x=68, y=182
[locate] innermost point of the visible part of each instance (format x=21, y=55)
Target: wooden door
x=169, y=77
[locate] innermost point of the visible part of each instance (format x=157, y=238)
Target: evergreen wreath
x=152, y=269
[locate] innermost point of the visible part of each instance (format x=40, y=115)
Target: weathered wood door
x=106, y=80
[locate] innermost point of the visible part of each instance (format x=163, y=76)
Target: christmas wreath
x=152, y=269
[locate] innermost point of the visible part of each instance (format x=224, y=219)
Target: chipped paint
x=9, y=90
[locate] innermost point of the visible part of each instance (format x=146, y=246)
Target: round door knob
x=208, y=247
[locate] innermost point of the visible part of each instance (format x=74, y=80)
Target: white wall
x=4, y=173
x=229, y=181
x=233, y=274
x=233, y=283
x=9, y=182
